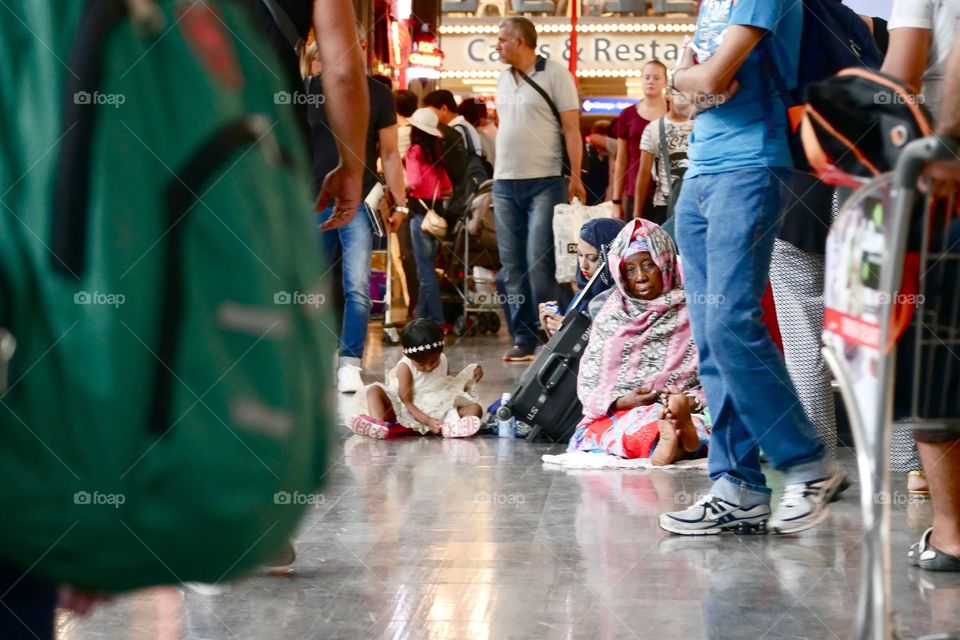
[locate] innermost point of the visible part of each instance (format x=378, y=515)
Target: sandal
x=368, y=426
x=462, y=428
x=924, y=555
x=917, y=493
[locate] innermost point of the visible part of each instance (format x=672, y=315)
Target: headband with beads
x=424, y=347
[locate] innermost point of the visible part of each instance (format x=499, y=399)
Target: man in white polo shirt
x=529, y=175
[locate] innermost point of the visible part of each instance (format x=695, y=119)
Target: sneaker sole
x=787, y=529
x=523, y=359
x=741, y=528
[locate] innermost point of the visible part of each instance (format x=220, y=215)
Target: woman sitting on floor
x=638, y=378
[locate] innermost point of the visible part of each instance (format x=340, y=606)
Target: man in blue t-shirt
x=727, y=220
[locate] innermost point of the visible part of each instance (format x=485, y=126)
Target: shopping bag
x=567, y=220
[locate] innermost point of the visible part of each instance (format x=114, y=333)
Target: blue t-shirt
x=735, y=135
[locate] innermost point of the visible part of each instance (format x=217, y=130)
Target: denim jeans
x=726, y=225
x=425, y=249
x=353, y=245
x=28, y=604
x=524, y=217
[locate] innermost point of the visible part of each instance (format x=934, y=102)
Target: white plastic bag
x=567, y=220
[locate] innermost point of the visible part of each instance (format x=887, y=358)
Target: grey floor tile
x=429, y=539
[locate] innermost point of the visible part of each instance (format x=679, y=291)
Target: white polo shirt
x=528, y=136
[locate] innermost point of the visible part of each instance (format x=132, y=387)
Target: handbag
x=433, y=223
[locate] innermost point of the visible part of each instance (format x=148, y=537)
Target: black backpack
x=476, y=172
x=834, y=38
x=454, y=154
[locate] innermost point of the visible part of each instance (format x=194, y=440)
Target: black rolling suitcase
x=546, y=398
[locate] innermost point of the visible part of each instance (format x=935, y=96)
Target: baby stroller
x=469, y=259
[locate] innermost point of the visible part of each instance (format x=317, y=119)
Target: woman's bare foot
x=668, y=446
x=678, y=413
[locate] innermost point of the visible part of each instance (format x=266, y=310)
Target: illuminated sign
x=605, y=48
x=605, y=106
x=427, y=54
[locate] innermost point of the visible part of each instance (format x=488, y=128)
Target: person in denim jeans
x=427, y=185
x=528, y=180
x=352, y=243
x=727, y=220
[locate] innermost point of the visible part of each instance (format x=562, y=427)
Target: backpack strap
x=793, y=105
x=540, y=66
x=664, y=156
x=284, y=24
x=466, y=138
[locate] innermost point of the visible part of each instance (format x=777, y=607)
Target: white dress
x=437, y=393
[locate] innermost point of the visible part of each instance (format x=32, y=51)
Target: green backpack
x=166, y=408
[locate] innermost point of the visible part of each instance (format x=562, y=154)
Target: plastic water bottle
x=506, y=423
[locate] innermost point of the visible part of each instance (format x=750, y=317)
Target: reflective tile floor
x=475, y=539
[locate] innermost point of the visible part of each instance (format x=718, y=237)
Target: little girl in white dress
x=420, y=396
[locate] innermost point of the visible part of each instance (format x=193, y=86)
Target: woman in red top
x=427, y=185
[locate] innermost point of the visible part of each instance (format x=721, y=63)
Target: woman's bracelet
x=400, y=209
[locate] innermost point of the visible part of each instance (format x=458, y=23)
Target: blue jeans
x=726, y=225
x=524, y=216
x=353, y=244
x=425, y=249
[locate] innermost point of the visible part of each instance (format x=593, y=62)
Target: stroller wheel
x=461, y=326
x=492, y=324
x=482, y=325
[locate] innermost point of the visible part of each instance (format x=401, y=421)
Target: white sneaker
x=348, y=379
x=804, y=505
x=711, y=515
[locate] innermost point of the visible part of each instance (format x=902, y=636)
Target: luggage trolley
x=867, y=304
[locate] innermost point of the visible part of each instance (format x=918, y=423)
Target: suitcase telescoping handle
x=577, y=305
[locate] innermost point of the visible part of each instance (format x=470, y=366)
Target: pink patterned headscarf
x=635, y=342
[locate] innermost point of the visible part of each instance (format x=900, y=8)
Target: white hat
x=426, y=120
